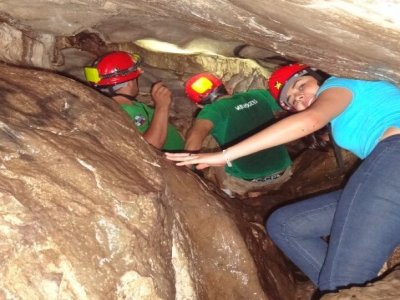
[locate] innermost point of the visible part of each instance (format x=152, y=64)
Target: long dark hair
x=320, y=139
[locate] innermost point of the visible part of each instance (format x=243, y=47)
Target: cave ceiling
x=347, y=37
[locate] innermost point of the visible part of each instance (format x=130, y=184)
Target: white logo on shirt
x=246, y=105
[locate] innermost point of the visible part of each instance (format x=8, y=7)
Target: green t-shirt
x=142, y=115
x=239, y=116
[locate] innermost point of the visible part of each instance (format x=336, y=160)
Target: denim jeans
x=362, y=222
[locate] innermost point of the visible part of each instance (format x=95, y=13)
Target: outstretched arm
x=157, y=131
x=330, y=103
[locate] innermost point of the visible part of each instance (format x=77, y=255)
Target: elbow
x=193, y=144
x=315, y=121
x=159, y=146
x=157, y=143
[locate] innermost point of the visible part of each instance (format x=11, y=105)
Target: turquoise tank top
x=374, y=107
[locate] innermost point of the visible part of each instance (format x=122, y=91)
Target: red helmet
x=202, y=86
x=280, y=77
x=113, y=68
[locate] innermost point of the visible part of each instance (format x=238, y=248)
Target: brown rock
x=384, y=289
x=90, y=211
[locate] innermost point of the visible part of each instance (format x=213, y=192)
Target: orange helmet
x=113, y=68
x=204, y=88
x=279, y=79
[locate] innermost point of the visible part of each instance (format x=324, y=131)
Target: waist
x=267, y=178
x=390, y=132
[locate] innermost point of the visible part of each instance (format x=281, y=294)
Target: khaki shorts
x=233, y=185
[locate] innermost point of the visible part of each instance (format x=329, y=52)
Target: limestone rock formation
x=385, y=289
x=345, y=37
x=91, y=211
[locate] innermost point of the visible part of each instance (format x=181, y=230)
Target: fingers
x=181, y=157
x=199, y=166
x=158, y=85
x=180, y=154
x=160, y=89
x=187, y=162
x=201, y=161
x=161, y=95
x=202, y=166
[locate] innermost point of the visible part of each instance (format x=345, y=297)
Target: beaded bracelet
x=227, y=158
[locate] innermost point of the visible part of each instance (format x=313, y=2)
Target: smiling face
x=301, y=93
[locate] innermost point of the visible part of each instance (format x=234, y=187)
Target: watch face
x=139, y=120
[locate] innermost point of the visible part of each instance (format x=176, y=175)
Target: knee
x=275, y=224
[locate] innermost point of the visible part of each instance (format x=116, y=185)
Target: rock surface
x=90, y=211
x=345, y=37
x=385, y=289
x=89, y=214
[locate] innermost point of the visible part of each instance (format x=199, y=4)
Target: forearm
x=196, y=135
x=157, y=131
x=287, y=130
x=193, y=142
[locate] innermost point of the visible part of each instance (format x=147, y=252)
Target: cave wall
x=347, y=37
x=70, y=225
x=89, y=210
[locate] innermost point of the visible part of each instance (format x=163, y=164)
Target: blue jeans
x=362, y=222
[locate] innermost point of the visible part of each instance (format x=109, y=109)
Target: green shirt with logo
x=236, y=118
x=142, y=115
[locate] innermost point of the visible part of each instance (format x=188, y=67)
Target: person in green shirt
x=230, y=118
x=116, y=75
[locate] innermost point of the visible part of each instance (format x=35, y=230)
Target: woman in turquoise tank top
x=363, y=219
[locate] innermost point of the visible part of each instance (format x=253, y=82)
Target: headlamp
x=92, y=73
x=202, y=85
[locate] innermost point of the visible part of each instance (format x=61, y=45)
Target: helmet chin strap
x=111, y=89
x=129, y=97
